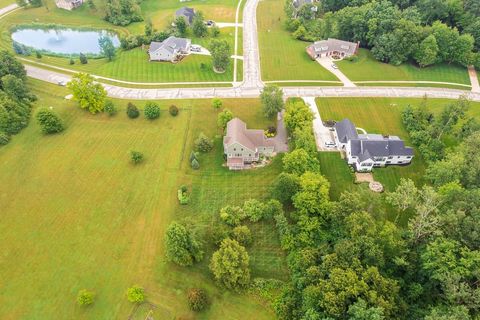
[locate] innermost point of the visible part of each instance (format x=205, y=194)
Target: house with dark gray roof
x=187, y=13
x=171, y=49
x=366, y=151
x=332, y=48
x=243, y=146
x=298, y=4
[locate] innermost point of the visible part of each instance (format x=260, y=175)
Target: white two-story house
x=366, y=151
x=243, y=146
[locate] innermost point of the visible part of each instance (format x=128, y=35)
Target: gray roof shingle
x=367, y=149
x=346, y=130
x=188, y=13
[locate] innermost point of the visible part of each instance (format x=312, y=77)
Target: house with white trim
x=171, y=49
x=243, y=146
x=68, y=4
x=332, y=48
x=366, y=151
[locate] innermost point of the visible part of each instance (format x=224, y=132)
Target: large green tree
x=272, y=100
x=221, y=52
x=230, y=265
x=89, y=94
x=182, y=247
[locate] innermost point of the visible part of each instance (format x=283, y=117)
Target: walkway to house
x=322, y=134
x=327, y=62
x=473, y=79
x=280, y=140
x=362, y=130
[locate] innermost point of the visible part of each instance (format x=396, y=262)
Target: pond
x=63, y=41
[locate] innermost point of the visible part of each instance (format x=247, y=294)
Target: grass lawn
x=377, y=115
x=77, y=214
x=133, y=65
x=4, y=3
x=281, y=56
x=369, y=69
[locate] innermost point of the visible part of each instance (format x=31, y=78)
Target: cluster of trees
x=349, y=261
x=220, y=51
x=15, y=97
x=135, y=294
x=123, y=12
x=427, y=130
x=427, y=31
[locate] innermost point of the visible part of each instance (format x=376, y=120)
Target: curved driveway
x=252, y=82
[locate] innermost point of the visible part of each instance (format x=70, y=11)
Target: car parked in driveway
x=330, y=144
x=195, y=48
x=334, y=66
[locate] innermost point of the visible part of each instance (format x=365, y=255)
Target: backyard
x=375, y=115
x=133, y=65
x=77, y=214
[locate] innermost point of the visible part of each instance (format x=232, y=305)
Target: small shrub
x=83, y=59
x=71, y=62
x=203, y=144
x=4, y=138
x=152, y=111
x=136, y=294
x=85, y=297
x=136, y=157
x=203, y=66
x=232, y=215
x=182, y=195
x=195, y=164
x=132, y=111
x=219, y=232
x=173, y=110
x=110, y=108
x=243, y=235
x=38, y=54
x=217, y=103
x=197, y=299
x=272, y=130
x=49, y=121
x=193, y=156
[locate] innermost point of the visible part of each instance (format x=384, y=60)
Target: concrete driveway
x=327, y=63
x=322, y=134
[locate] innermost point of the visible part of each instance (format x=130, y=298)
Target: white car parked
x=195, y=48
x=330, y=144
x=334, y=66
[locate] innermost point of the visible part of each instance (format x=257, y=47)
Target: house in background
x=171, y=49
x=187, y=13
x=298, y=4
x=332, y=48
x=68, y=4
x=243, y=146
x=366, y=151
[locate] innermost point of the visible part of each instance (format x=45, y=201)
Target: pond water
x=63, y=41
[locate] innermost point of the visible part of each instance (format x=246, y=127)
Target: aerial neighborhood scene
x=240, y=159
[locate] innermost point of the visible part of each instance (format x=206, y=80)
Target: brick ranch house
x=243, y=146
x=332, y=47
x=68, y=4
x=366, y=151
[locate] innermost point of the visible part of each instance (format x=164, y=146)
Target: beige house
x=243, y=146
x=332, y=47
x=68, y=4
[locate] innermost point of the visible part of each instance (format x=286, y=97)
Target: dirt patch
x=364, y=177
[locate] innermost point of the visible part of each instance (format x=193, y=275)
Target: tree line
x=425, y=31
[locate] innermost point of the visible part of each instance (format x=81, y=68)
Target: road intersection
x=252, y=84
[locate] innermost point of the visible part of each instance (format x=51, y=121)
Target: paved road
x=8, y=8
x=322, y=134
x=252, y=82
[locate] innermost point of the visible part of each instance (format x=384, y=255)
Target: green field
x=376, y=115
x=369, y=69
x=133, y=65
x=281, y=56
x=4, y=3
x=77, y=214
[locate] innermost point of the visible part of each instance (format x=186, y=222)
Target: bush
x=152, y=111
x=193, y=156
x=219, y=232
x=49, y=121
x=110, y=108
x=83, y=59
x=203, y=144
x=182, y=195
x=254, y=210
x=232, y=215
x=224, y=117
x=136, y=294
x=243, y=235
x=71, y=62
x=182, y=246
x=136, y=157
x=85, y=297
x=132, y=111
x=197, y=299
x=173, y=110
x=195, y=164
x=38, y=54
x=4, y=138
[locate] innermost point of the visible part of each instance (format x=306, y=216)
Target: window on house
x=234, y=149
x=390, y=157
